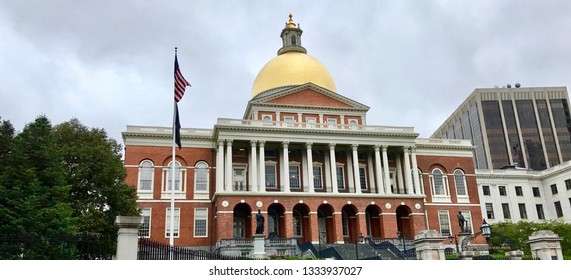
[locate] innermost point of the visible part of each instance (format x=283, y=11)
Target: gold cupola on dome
x=293, y=66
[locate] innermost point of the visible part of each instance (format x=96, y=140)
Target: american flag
x=180, y=82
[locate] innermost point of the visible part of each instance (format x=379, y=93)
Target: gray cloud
x=110, y=63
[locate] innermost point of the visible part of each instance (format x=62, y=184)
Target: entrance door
x=239, y=227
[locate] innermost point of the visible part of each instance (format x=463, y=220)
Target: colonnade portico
x=375, y=165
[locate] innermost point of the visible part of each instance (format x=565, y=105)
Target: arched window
x=438, y=182
x=201, y=177
x=293, y=40
x=460, y=182
x=177, y=177
x=146, y=168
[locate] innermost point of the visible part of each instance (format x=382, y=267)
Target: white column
x=386, y=170
x=349, y=168
x=253, y=166
x=356, y=172
x=400, y=184
x=415, y=178
x=285, y=167
x=310, y=167
x=407, y=172
x=333, y=166
x=220, y=167
x=371, y=171
x=378, y=171
x=327, y=171
x=229, y=178
x=262, y=169
x=303, y=174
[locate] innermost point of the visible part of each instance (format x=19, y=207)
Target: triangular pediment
x=308, y=95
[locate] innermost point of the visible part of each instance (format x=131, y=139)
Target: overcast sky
x=110, y=63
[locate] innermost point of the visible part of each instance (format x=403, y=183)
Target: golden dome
x=292, y=68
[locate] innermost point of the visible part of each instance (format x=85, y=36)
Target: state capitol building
x=306, y=156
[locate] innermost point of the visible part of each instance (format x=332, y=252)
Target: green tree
x=515, y=235
x=34, y=194
x=7, y=133
x=95, y=170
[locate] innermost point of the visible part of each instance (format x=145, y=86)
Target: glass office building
x=514, y=126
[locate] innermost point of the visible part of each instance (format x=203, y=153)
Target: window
x=288, y=120
x=353, y=123
x=267, y=119
x=540, y=214
x=554, y=189
x=558, y=209
x=177, y=176
x=489, y=211
x=438, y=182
x=293, y=40
x=294, y=176
x=363, y=178
x=239, y=178
x=502, y=190
x=568, y=184
x=486, y=190
x=331, y=122
x=176, y=222
x=297, y=223
x=317, y=178
x=201, y=177
x=145, y=229
x=518, y=191
x=271, y=176
x=506, y=210
x=536, y=192
x=444, y=221
x=460, y=182
x=146, y=170
x=522, y=211
x=310, y=121
x=340, y=178
x=200, y=222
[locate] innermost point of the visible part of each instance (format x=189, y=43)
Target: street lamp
x=486, y=230
x=401, y=236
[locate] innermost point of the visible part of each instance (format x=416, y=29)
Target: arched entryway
x=301, y=224
x=242, y=227
x=325, y=224
x=276, y=226
x=404, y=223
x=373, y=220
x=350, y=225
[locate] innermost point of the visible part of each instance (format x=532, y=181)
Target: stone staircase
x=365, y=251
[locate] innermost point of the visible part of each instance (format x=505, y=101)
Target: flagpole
x=171, y=236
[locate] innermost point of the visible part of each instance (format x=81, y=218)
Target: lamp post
x=486, y=230
x=401, y=236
